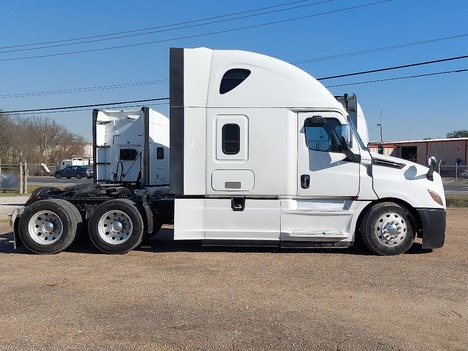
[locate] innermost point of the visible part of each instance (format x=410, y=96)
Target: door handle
x=305, y=181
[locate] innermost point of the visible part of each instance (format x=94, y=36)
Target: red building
x=449, y=152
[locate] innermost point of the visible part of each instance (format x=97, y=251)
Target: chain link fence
x=455, y=172
x=13, y=178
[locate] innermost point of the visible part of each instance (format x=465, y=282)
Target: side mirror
x=350, y=155
x=346, y=137
x=432, y=163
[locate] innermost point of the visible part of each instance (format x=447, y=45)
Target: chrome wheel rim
x=45, y=227
x=392, y=229
x=115, y=227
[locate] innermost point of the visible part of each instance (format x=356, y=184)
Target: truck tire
x=387, y=229
x=80, y=226
x=48, y=226
x=58, y=175
x=116, y=226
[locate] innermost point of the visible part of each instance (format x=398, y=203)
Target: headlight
x=436, y=197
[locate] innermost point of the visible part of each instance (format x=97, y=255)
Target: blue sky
x=332, y=37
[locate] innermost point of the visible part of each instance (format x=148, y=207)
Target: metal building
x=451, y=153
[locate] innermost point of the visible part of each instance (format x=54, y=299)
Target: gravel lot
x=179, y=296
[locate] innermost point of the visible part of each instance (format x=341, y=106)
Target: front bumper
x=433, y=227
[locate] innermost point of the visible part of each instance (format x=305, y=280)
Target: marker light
x=436, y=197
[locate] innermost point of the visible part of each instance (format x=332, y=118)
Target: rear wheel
x=48, y=226
x=116, y=226
x=387, y=229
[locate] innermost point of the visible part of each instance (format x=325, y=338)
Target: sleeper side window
x=160, y=153
x=232, y=78
x=231, y=139
x=323, y=134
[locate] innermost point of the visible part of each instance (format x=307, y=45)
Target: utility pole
x=380, y=125
x=381, y=137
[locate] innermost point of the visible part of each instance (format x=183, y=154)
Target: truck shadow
x=164, y=242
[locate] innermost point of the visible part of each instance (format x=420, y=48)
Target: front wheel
x=387, y=229
x=116, y=226
x=48, y=226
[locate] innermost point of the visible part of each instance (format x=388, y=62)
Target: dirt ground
x=170, y=295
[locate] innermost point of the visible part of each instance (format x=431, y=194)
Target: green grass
x=457, y=200
x=31, y=188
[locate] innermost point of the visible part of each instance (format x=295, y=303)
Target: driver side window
x=323, y=134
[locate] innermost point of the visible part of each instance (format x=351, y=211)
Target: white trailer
x=131, y=147
x=261, y=154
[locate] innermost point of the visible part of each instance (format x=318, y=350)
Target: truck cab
x=262, y=153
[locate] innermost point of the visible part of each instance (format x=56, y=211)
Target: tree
x=458, y=134
x=10, y=135
x=36, y=140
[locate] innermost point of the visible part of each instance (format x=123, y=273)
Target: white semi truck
x=261, y=153
x=131, y=147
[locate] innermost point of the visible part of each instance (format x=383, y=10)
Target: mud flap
x=14, y=223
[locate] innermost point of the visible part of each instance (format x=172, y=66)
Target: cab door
x=323, y=168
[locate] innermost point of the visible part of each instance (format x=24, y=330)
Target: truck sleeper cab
x=261, y=153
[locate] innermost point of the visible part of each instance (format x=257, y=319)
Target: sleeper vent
x=232, y=79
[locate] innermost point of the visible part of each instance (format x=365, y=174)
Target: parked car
x=74, y=171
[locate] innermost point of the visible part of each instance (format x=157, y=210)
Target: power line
x=394, y=67
x=165, y=80
x=158, y=29
x=86, y=89
x=380, y=49
x=78, y=109
x=197, y=35
x=69, y=108
x=58, y=109
x=399, y=78
x=153, y=28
